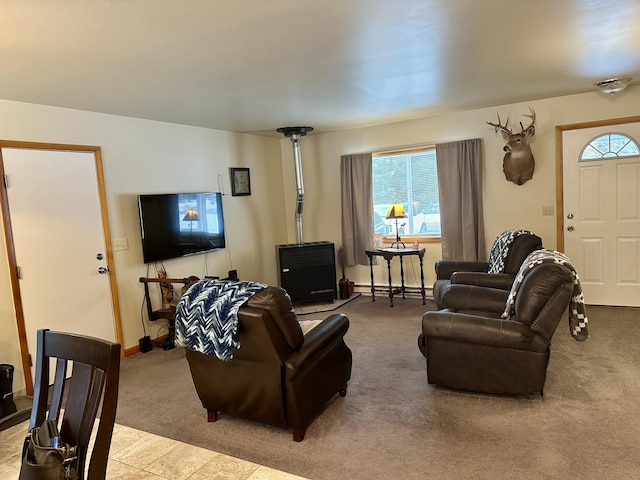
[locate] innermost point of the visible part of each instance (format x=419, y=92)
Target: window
x=610, y=145
x=408, y=177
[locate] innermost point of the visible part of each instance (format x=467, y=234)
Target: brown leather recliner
x=476, y=273
x=468, y=346
x=278, y=375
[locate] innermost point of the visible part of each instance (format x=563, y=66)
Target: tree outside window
x=409, y=177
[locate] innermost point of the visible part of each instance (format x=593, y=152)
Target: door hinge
x=6, y=181
x=19, y=272
x=30, y=360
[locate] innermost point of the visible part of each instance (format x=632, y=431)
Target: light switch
x=547, y=210
x=120, y=244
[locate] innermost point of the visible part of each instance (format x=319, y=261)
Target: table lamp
x=396, y=212
x=191, y=216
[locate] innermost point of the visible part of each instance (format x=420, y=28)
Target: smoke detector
x=613, y=85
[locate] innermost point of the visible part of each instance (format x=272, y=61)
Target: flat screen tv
x=180, y=224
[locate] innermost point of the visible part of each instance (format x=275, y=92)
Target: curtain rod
x=400, y=151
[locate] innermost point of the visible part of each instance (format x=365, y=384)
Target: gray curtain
x=357, y=207
x=460, y=186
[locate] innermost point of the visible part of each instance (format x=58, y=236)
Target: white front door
x=602, y=218
x=59, y=242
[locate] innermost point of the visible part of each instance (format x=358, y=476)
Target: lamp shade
x=396, y=210
x=191, y=215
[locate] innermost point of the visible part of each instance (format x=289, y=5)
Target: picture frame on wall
x=240, y=181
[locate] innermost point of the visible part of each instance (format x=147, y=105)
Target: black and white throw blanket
x=578, y=321
x=207, y=316
x=500, y=249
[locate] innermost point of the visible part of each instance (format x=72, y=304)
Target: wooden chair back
x=74, y=401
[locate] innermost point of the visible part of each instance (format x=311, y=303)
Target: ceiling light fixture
x=613, y=85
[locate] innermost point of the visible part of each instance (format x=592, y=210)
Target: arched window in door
x=610, y=145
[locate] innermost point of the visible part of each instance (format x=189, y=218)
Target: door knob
x=570, y=216
x=99, y=256
x=103, y=270
x=570, y=228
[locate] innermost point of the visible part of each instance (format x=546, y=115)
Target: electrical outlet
x=547, y=210
x=120, y=244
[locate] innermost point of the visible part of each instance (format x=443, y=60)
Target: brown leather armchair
x=278, y=375
x=477, y=273
x=468, y=346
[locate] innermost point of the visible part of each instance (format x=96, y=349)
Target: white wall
x=141, y=156
x=506, y=205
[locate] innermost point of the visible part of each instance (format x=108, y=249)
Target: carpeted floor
x=393, y=424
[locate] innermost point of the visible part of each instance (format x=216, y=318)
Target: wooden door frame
x=560, y=129
x=11, y=253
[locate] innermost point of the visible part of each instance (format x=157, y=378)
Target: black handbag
x=46, y=457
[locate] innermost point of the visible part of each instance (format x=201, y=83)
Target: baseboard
x=365, y=288
x=136, y=349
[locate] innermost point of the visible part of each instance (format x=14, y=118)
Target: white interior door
x=602, y=218
x=59, y=242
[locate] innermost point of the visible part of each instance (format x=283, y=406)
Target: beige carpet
x=393, y=424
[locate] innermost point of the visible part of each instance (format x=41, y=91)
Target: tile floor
x=144, y=456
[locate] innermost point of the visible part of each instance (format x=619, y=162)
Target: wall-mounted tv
x=179, y=224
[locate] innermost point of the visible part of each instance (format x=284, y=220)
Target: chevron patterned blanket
x=578, y=321
x=500, y=249
x=207, y=316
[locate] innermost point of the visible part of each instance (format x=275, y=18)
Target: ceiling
x=256, y=65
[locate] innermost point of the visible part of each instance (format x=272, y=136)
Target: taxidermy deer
x=518, y=163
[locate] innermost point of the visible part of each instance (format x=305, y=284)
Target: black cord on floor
x=161, y=328
x=144, y=329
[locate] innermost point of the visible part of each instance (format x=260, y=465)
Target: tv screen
x=179, y=224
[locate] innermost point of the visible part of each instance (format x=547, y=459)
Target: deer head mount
x=518, y=163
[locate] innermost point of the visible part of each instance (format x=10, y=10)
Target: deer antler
x=533, y=120
x=499, y=126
